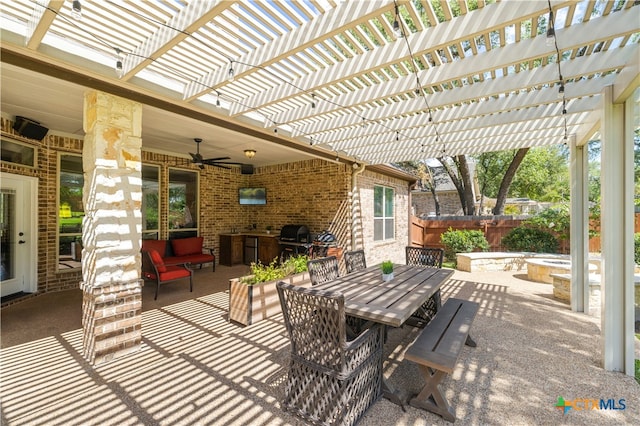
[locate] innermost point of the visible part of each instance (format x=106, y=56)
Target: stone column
x=112, y=196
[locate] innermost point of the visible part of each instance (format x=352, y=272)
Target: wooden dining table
x=389, y=303
x=392, y=302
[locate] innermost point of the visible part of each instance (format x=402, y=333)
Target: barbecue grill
x=294, y=239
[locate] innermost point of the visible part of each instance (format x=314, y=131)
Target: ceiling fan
x=197, y=159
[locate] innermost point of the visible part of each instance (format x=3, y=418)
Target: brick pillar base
x=111, y=320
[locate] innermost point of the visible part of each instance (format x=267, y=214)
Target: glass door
x=18, y=239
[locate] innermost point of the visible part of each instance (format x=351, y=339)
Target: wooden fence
x=426, y=232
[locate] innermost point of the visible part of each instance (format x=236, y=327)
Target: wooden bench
x=436, y=352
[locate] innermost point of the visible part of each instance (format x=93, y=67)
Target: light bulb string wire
x=563, y=99
x=313, y=94
x=312, y=136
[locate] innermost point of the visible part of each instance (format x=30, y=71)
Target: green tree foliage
x=543, y=174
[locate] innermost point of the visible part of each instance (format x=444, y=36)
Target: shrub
x=462, y=241
x=274, y=271
x=636, y=246
x=524, y=238
x=554, y=221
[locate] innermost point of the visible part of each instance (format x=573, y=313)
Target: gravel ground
x=195, y=368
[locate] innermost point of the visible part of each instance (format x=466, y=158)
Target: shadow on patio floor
x=195, y=367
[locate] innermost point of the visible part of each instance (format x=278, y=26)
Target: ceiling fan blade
x=216, y=159
x=226, y=162
x=196, y=158
x=218, y=165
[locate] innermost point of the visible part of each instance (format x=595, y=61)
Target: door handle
x=21, y=242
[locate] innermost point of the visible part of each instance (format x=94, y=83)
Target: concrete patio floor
x=196, y=368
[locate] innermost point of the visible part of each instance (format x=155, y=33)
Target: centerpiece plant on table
x=387, y=270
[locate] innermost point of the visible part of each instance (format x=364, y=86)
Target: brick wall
x=312, y=192
x=393, y=250
x=50, y=278
x=423, y=204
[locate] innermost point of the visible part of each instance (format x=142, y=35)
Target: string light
x=313, y=100
x=232, y=73
x=76, y=10
x=397, y=30
x=217, y=99
x=551, y=32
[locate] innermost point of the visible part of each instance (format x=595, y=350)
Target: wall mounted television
x=252, y=196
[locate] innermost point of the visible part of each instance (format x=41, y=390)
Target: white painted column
x=579, y=229
x=617, y=234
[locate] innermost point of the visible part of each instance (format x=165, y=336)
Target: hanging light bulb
x=232, y=73
x=311, y=141
x=217, y=99
x=76, y=10
x=397, y=136
x=551, y=33
x=313, y=100
x=119, y=70
x=364, y=122
x=561, y=90
x=397, y=30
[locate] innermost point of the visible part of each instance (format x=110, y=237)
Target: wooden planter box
x=249, y=304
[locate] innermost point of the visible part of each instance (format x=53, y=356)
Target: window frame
x=72, y=264
x=152, y=233
x=5, y=138
x=385, y=217
x=185, y=231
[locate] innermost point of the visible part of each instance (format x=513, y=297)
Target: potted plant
x=268, y=228
x=254, y=297
x=387, y=270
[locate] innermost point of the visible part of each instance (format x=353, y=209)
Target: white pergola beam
x=307, y=35
x=40, y=22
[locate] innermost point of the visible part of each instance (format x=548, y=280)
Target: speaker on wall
x=247, y=169
x=29, y=128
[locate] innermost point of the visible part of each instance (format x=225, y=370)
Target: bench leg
x=470, y=342
x=431, y=397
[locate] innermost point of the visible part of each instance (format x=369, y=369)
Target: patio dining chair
x=323, y=269
x=331, y=380
x=355, y=260
x=429, y=257
x=154, y=269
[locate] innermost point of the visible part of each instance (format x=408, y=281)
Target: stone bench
x=562, y=289
x=499, y=261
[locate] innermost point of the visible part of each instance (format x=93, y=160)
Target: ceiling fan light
x=249, y=153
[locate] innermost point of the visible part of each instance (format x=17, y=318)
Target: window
x=383, y=219
x=70, y=211
x=150, y=202
x=183, y=203
x=19, y=153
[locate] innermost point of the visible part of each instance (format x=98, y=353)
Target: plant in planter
x=269, y=228
x=387, y=270
x=254, y=297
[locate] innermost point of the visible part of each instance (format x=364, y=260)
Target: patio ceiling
x=333, y=78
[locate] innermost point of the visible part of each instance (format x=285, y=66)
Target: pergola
x=369, y=82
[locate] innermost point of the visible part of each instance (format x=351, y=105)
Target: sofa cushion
x=158, y=245
x=186, y=246
x=190, y=258
x=157, y=260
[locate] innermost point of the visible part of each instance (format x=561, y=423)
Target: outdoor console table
x=388, y=303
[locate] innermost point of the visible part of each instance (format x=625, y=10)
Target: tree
x=426, y=179
x=503, y=191
x=461, y=178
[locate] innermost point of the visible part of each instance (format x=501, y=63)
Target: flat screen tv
x=252, y=196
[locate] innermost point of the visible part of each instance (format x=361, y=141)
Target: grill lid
x=294, y=233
